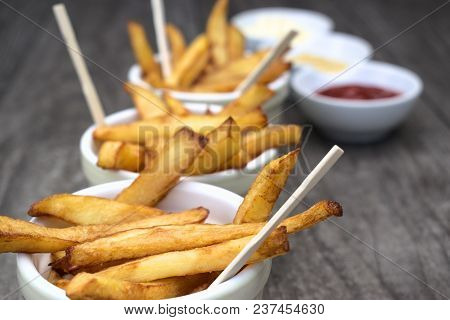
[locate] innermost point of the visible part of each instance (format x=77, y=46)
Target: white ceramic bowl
x=223, y=204
x=263, y=27
x=200, y=103
x=336, y=46
x=237, y=181
x=358, y=120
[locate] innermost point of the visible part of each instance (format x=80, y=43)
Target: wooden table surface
x=393, y=241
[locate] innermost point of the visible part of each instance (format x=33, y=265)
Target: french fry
x=235, y=43
x=165, y=169
x=199, y=260
x=276, y=69
x=90, y=286
x=191, y=63
x=257, y=141
x=253, y=144
x=144, y=54
x=196, y=215
x=22, y=236
x=223, y=143
x=232, y=74
x=204, y=124
x=166, y=127
x=227, y=85
x=138, y=132
x=216, y=30
x=320, y=211
x=266, y=188
x=195, y=70
x=274, y=136
x=88, y=210
x=237, y=69
x=135, y=132
x=54, y=256
x=254, y=97
x=139, y=243
x=177, y=43
x=107, y=154
x=26, y=237
x=175, y=106
x=117, y=155
x=147, y=103
x=59, y=266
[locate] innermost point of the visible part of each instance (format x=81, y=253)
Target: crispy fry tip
x=334, y=208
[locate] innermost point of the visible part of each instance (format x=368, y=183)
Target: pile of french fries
x=215, y=61
x=125, y=248
x=233, y=137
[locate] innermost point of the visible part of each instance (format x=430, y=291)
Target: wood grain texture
x=395, y=193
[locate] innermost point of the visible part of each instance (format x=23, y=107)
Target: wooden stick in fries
x=159, y=22
x=89, y=91
x=311, y=180
x=265, y=63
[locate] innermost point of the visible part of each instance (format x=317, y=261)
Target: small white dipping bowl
x=358, y=121
x=335, y=46
x=235, y=180
x=263, y=27
x=199, y=102
x=222, y=205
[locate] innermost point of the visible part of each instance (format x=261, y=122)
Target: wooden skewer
x=89, y=91
x=266, y=62
x=161, y=38
x=311, y=180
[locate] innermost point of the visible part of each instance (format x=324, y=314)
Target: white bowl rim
x=334, y=35
x=27, y=269
x=134, y=76
x=328, y=22
x=412, y=93
x=86, y=152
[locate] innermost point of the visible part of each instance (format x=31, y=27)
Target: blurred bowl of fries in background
x=210, y=68
x=263, y=27
x=240, y=141
x=222, y=205
x=237, y=180
x=216, y=100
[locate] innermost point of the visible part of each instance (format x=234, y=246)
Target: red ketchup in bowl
x=357, y=91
